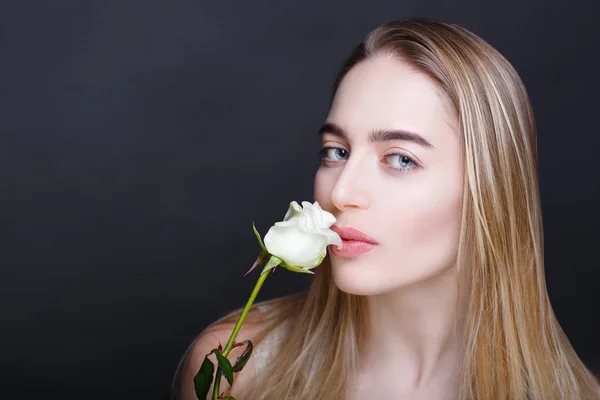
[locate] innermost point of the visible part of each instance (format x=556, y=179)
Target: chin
x=361, y=281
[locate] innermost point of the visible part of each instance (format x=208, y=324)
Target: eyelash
x=324, y=149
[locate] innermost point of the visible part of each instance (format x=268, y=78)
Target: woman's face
x=405, y=194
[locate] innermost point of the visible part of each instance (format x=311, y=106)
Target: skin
x=409, y=278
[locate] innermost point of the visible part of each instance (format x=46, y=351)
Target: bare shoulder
x=209, y=339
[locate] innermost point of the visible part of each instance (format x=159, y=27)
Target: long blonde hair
x=514, y=345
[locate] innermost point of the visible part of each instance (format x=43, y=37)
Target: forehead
x=385, y=93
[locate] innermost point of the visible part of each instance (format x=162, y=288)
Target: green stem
x=236, y=329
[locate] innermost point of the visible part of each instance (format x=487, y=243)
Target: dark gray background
x=139, y=139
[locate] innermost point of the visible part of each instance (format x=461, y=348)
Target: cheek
x=436, y=228
x=428, y=228
x=322, y=189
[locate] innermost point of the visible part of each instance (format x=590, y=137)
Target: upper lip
x=349, y=233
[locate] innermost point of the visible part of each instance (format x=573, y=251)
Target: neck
x=416, y=330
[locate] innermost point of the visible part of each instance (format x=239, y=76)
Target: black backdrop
x=139, y=139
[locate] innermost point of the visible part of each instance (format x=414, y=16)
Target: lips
x=349, y=233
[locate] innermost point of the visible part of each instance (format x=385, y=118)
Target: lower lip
x=351, y=248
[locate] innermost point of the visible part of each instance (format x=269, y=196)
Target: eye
x=330, y=153
x=405, y=162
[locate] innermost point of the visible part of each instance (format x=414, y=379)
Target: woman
x=430, y=150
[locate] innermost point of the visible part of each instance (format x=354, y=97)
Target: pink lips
x=354, y=242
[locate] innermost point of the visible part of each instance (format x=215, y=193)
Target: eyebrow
x=379, y=135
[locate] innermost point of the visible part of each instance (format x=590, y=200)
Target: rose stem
x=236, y=329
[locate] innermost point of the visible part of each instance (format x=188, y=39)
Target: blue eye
x=403, y=161
x=326, y=152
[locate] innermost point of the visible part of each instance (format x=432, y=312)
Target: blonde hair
x=514, y=345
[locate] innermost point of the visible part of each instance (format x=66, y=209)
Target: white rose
x=300, y=240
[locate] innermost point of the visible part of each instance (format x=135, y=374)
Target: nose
x=350, y=189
